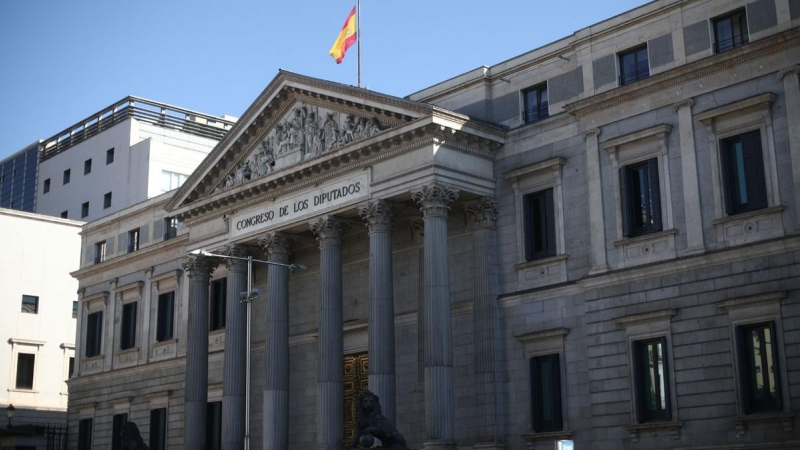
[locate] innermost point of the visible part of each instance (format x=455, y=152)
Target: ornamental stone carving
x=683, y=103
x=378, y=215
x=307, y=131
x=276, y=245
x=236, y=251
x=199, y=267
x=482, y=212
x=435, y=199
x=329, y=230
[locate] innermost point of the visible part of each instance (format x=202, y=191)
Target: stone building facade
x=595, y=241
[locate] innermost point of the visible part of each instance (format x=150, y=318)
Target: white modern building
x=38, y=310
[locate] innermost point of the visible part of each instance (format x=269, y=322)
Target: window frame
x=214, y=425
x=65, y=214
x=134, y=239
x=46, y=186
x=26, y=386
x=640, y=73
x=116, y=429
x=543, y=229
x=128, y=329
x=756, y=195
x=170, y=228
x=84, y=210
x=110, y=156
x=35, y=304
x=65, y=179
x=85, y=433
x=87, y=166
x=629, y=194
x=158, y=441
x=93, y=344
x=542, y=111
x=537, y=402
x=75, y=309
x=107, y=200
x=749, y=404
x=542, y=344
x=161, y=323
x=100, y=252
x=743, y=38
x=644, y=415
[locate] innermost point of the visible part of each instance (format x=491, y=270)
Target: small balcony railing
x=731, y=43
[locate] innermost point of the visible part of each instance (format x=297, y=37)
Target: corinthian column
x=483, y=215
x=276, y=392
x=199, y=269
x=234, y=378
x=330, y=390
x=435, y=203
x=378, y=215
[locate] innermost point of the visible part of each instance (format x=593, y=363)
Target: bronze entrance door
x=356, y=381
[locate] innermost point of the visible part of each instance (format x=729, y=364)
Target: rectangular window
x=87, y=166
x=30, y=304
x=109, y=156
x=25, y=365
x=64, y=214
x=66, y=176
x=546, y=393
x=74, y=309
x=170, y=227
x=116, y=431
x=71, y=368
x=47, y=185
x=171, y=180
x=651, y=380
x=214, y=426
x=85, y=434
x=107, y=200
x=759, y=375
x=540, y=225
x=133, y=240
x=743, y=178
x=536, y=103
x=84, y=210
x=166, y=319
x=94, y=333
x=633, y=65
x=641, y=198
x=99, y=252
x=128, y=335
x=730, y=31
x=158, y=429
x=219, y=290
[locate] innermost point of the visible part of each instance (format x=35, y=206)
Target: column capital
x=591, y=132
x=329, y=230
x=198, y=267
x=482, y=212
x=238, y=251
x=435, y=199
x=683, y=103
x=276, y=245
x=792, y=70
x=378, y=214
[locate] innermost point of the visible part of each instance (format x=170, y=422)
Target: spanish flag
x=347, y=37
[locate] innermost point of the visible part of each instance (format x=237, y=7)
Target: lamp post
x=245, y=297
x=10, y=414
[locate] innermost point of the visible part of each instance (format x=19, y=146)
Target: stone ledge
x=533, y=437
x=785, y=419
x=654, y=429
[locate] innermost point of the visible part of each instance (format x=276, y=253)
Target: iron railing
x=630, y=77
x=155, y=113
x=731, y=43
x=537, y=112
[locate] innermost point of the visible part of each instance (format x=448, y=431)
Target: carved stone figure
x=265, y=160
x=281, y=138
x=371, y=422
x=297, y=129
x=348, y=128
x=131, y=438
x=331, y=129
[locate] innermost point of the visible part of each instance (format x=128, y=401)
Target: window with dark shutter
x=85, y=434
x=116, y=431
x=651, y=380
x=214, y=426
x=539, y=223
x=759, y=374
x=743, y=177
x=166, y=319
x=546, y=410
x=217, y=304
x=128, y=335
x=158, y=429
x=94, y=333
x=640, y=194
x=26, y=363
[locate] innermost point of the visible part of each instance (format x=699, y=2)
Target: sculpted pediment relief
x=305, y=132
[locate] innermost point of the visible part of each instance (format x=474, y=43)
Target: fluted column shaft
x=439, y=405
x=234, y=376
x=378, y=215
x=276, y=392
x=483, y=215
x=199, y=269
x=330, y=388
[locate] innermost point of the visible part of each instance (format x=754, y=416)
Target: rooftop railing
x=155, y=113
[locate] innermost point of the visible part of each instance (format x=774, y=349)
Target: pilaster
x=595, y=188
x=791, y=90
x=691, y=190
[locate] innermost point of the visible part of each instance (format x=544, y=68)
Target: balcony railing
x=536, y=113
x=731, y=43
x=631, y=77
x=158, y=114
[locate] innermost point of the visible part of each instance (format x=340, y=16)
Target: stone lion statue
x=372, y=424
x=131, y=439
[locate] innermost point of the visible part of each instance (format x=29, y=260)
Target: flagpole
x=358, y=38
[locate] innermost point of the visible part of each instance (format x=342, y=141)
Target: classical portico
x=312, y=169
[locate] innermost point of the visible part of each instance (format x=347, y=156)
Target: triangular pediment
x=296, y=119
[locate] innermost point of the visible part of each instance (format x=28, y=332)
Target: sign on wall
x=297, y=207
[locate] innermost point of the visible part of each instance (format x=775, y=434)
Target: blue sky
x=62, y=60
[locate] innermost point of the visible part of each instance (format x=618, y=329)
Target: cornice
x=683, y=74
x=760, y=101
x=659, y=131
x=127, y=258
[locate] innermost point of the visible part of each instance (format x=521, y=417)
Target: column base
x=440, y=444
x=489, y=446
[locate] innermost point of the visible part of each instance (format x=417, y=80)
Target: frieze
x=306, y=132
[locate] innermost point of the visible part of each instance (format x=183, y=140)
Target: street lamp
x=10, y=414
x=245, y=297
